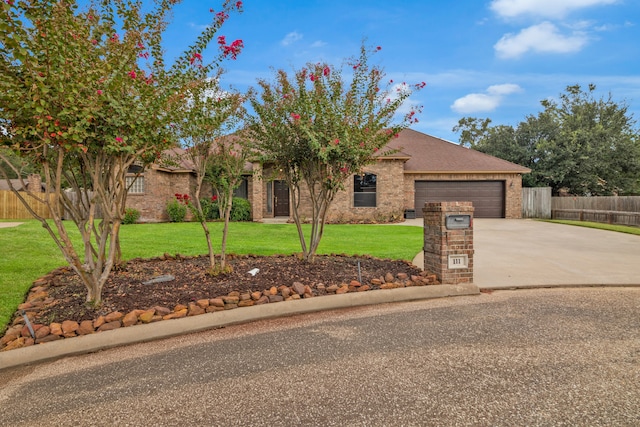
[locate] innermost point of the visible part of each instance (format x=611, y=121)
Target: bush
x=131, y=216
x=210, y=209
x=176, y=210
x=240, y=210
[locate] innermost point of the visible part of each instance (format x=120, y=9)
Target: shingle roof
x=428, y=154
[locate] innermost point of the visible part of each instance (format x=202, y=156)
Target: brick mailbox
x=448, y=241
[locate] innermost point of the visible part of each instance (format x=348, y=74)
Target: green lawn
x=27, y=252
x=600, y=226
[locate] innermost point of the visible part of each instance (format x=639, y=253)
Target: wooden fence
x=621, y=210
x=12, y=208
x=536, y=202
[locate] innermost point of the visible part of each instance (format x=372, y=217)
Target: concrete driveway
x=528, y=253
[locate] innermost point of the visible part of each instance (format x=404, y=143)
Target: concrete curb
x=169, y=328
x=559, y=286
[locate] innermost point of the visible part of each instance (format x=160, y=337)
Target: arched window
x=364, y=190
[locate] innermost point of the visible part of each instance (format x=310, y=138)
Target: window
x=242, y=190
x=135, y=181
x=364, y=190
x=135, y=184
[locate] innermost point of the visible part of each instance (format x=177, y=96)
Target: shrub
x=210, y=209
x=176, y=210
x=240, y=210
x=131, y=216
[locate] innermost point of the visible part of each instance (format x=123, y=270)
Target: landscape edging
x=160, y=330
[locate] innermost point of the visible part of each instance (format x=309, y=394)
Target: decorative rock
x=13, y=333
x=114, y=316
x=245, y=296
x=364, y=288
x=176, y=314
x=230, y=306
x=256, y=295
x=147, y=316
x=213, y=308
x=321, y=287
x=342, y=290
x=216, y=302
x=69, y=327
x=273, y=290
x=130, y=319
x=230, y=299
x=195, y=310
x=276, y=298
x=179, y=307
x=99, y=322
x=298, y=288
x=355, y=284
x=156, y=318
x=246, y=303
x=376, y=282
x=388, y=278
x=56, y=328
x=286, y=292
x=25, y=306
x=42, y=331
x=262, y=300
x=86, y=328
x=332, y=289
x=161, y=311
x=389, y=286
x=402, y=276
x=109, y=326
x=17, y=343
x=234, y=294
x=49, y=338
x=295, y=296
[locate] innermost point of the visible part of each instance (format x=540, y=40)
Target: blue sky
x=480, y=58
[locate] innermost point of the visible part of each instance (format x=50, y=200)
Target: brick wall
x=389, y=197
x=440, y=242
x=513, y=188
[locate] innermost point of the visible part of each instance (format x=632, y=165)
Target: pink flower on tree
x=196, y=57
x=119, y=140
x=132, y=74
x=99, y=92
x=326, y=71
x=295, y=116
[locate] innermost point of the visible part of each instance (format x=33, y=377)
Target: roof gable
x=428, y=154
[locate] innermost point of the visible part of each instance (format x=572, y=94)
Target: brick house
x=422, y=169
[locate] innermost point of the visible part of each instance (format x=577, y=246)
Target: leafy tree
x=472, y=130
x=581, y=144
x=317, y=130
x=225, y=172
x=202, y=119
x=84, y=95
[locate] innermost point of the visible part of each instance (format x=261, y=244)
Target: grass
x=27, y=252
x=598, y=225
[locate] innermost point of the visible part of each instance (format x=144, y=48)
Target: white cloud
x=318, y=43
x=543, y=8
x=543, y=38
x=484, y=102
x=290, y=38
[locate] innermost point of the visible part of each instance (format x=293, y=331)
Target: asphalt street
x=542, y=357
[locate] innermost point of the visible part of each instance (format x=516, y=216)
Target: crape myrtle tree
x=225, y=175
x=317, y=129
x=585, y=145
x=85, y=94
x=205, y=115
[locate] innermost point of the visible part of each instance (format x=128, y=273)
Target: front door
x=281, y=198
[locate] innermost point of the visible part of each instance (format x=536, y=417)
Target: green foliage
x=176, y=210
x=318, y=130
x=240, y=210
x=210, y=209
x=582, y=145
x=131, y=216
x=85, y=93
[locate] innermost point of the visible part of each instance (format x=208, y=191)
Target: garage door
x=487, y=196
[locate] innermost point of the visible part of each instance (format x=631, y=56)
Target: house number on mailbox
x=458, y=261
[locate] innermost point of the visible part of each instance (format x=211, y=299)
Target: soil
x=125, y=289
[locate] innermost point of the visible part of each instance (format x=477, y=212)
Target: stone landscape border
x=159, y=330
